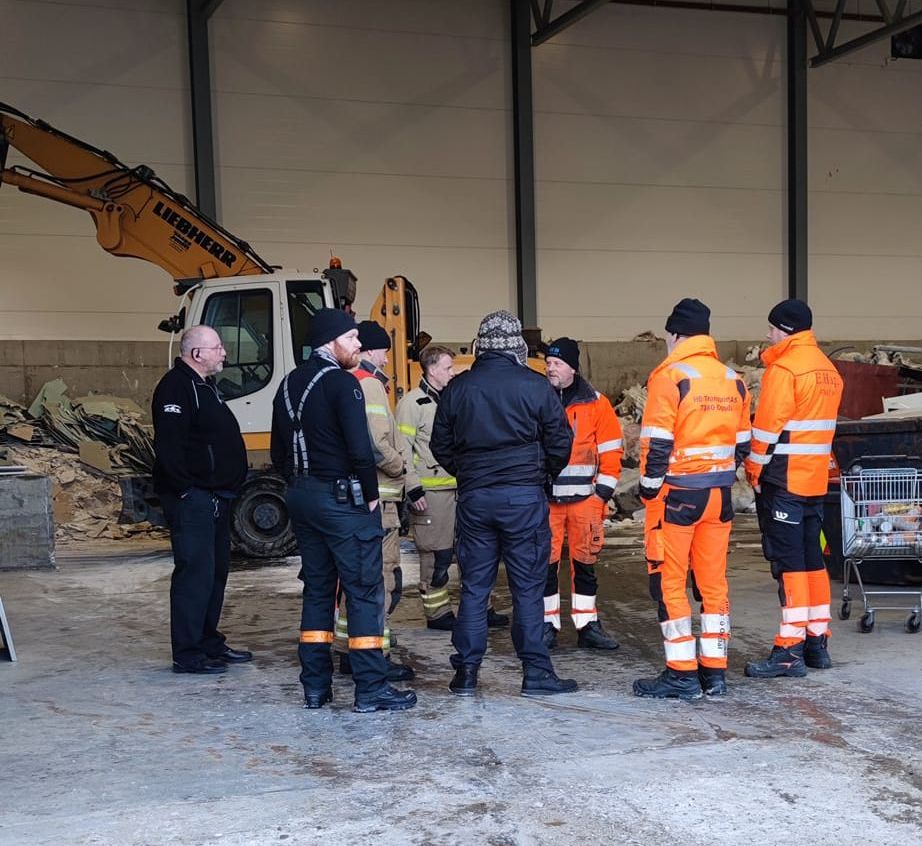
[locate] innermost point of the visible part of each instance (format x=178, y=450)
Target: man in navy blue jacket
x=502, y=432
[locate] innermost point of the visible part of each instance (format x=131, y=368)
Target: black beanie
x=791, y=316
x=689, y=317
x=566, y=349
x=373, y=336
x=327, y=325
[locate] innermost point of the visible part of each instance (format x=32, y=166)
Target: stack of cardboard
x=108, y=432
x=86, y=503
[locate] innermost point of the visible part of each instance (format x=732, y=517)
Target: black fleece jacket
x=500, y=424
x=197, y=440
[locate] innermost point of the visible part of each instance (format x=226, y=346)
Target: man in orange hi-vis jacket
x=579, y=495
x=789, y=468
x=694, y=435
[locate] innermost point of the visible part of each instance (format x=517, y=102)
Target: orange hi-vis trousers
x=581, y=523
x=687, y=531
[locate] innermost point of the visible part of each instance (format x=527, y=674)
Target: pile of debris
x=84, y=446
x=86, y=502
x=109, y=432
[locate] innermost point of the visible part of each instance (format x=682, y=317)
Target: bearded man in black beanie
x=320, y=445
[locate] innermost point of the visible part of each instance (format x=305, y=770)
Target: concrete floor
x=102, y=744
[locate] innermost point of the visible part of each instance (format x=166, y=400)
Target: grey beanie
x=501, y=331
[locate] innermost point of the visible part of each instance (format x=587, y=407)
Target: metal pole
x=200, y=89
x=797, y=149
x=524, y=157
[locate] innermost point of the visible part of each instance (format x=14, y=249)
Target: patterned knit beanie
x=501, y=331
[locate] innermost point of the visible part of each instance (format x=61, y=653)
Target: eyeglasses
x=218, y=347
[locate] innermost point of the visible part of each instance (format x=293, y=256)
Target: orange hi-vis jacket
x=796, y=417
x=595, y=459
x=695, y=428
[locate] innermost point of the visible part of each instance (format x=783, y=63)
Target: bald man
x=200, y=465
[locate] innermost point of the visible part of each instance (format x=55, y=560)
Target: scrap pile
x=108, y=432
x=83, y=445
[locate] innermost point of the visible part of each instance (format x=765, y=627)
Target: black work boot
x=816, y=655
x=549, y=635
x=546, y=683
x=670, y=684
x=386, y=699
x=398, y=672
x=465, y=681
x=781, y=662
x=496, y=621
x=317, y=698
x=713, y=681
x=445, y=623
x=593, y=636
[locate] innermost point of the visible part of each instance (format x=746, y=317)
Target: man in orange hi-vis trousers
x=694, y=435
x=579, y=496
x=789, y=468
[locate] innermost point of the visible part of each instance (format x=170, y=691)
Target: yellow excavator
x=262, y=312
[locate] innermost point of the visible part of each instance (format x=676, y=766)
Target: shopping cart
x=881, y=518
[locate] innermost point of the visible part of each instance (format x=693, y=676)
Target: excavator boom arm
x=136, y=213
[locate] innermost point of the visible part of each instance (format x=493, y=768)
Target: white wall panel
x=590, y=294
x=379, y=130
x=383, y=130
x=115, y=76
x=348, y=136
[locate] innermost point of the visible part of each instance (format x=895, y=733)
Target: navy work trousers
x=200, y=536
x=509, y=522
x=338, y=541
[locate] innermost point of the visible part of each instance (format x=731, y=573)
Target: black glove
x=648, y=493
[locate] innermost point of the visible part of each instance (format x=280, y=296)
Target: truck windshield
x=305, y=299
x=243, y=320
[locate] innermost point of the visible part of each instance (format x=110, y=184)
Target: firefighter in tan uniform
x=432, y=513
x=391, y=469
x=431, y=490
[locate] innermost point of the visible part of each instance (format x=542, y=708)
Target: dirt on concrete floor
x=104, y=745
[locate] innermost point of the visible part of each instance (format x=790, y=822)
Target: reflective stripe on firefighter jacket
x=796, y=417
x=383, y=431
x=595, y=458
x=695, y=428
x=415, y=416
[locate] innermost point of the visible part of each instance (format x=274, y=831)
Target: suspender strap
x=299, y=445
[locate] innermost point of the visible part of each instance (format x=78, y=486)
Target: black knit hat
x=791, y=316
x=566, y=349
x=689, y=317
x=373, y=336
x=327, y=325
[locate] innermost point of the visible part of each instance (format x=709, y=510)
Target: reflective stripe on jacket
x=383, y=431
x=795, y=420
x=415, y=416
x=595, y=458
x=695, y=428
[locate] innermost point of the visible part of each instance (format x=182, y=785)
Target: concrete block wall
x=132, y=369
x=124, y=368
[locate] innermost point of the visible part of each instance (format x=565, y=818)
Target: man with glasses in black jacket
x=200, y=464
